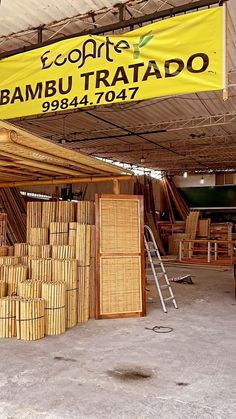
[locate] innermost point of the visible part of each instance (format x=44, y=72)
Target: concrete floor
x=79, y=374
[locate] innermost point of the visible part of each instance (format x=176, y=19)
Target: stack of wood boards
x=53, y=267
x=191, y=225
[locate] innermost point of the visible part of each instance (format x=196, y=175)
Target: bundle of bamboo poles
x=39, y=251
x=12, y=275
x=3, y=250
x=21, y=249
x=30, y=324
x=24, y=260
x=3, y=288
x=85, y=212
x=10, y=251
x=92, y=294
x=30, y=289
x=54, y=294
x=38, y=236
x=9, y=260
x=72, y=234
x=40, y=269
x=8, y=317
x=34, y=216
x=65, y=211
x=83, y=244
x=58, y=233
x=48, y=213
x=63, y=251
x=83, y=294
x=67, y=271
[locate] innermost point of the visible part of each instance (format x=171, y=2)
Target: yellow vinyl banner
x=183, y=54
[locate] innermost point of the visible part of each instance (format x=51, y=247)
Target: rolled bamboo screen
x=30, y=323
x=30, y=289
x=58, y=233
x=54, y=295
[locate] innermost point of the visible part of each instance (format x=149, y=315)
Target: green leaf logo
x=143, y=40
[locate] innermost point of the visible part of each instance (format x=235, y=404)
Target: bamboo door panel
x=120, y=278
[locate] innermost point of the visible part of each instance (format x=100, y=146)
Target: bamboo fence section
x=34, y=216
x=55, y=304
x=63, y=251
x=8, y=317
x=20, y=249
x=3, y=288
x=29, y=289
x=12, y=275
x=67, y=271
x=38, y=236
x=85, y=212
x=40, y=269
x=30, y=323
x=58, y=233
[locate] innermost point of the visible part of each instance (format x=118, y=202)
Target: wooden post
x=116, y=187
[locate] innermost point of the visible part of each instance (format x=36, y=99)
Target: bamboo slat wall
x=54, y=266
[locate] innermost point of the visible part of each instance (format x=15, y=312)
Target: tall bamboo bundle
x=65, y=211
x=58, y=233
x=21, y=249
x=10, y=250
x=72, y=234
x=8, y=317
x=67, y=271
x=85, y=212
x=40, y=269
x=54, y=294
x=83, y=294
x=12, y=275
x=34, y=216
x=92, y=290
x=39, y=251
x=3, y=288
x=3, y=250
x=30, y=324
x=63, y=251
x=48, y=213
x=24, y=260
x=9, y=260
x=30, y=289
x=38, y=235
x=83, y=244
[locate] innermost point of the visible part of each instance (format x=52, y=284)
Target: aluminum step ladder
x=153, y=252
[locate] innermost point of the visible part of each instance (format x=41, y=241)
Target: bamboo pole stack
x=40, y=269
x=39, y=251
x=65, y=211
x=38, y=236
x=34, y=216
x=9, y=260
x=58, y=233
x=54, y=295
x=67, y=271
x=29, y=289
x=85, y=212
x=30, y=324
x=3, y=288
x=20, y=249
x=8, y=317
x=72, y=234
x=3, y=250
x=48, y=213
x=63, y=251
x=83, y=254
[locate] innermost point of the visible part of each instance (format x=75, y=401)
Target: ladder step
x=169, y=298
x=164, y=286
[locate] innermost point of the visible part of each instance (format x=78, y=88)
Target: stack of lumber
x=191, y=225
x=45, y=286
x=174, y=199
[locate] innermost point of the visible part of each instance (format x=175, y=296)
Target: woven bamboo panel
x=120, y=221
x=120, y=286
x=21, y=249
x=85, y=212
x=59, y=233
